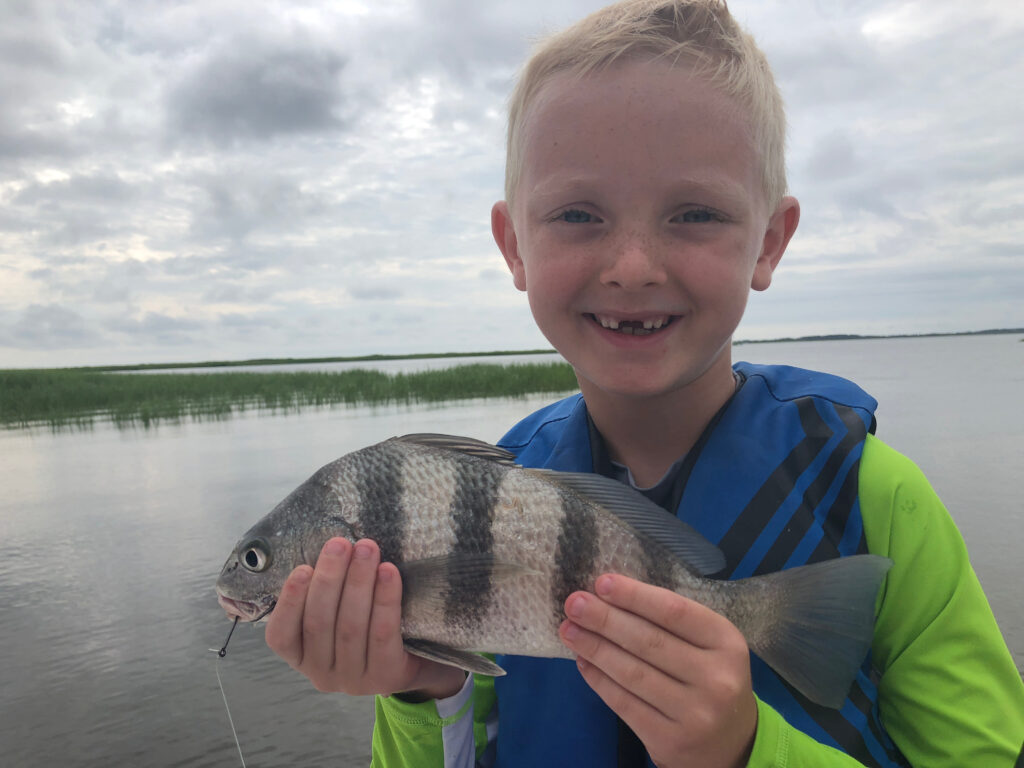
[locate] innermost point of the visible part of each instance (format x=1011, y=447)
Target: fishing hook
x=224, y=648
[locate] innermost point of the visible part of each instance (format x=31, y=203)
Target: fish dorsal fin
x=643, y=516
x=466, y=445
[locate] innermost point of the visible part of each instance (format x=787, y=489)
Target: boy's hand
x=340, y=625
x=675, y=671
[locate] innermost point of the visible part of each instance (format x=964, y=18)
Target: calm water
x=110, y=542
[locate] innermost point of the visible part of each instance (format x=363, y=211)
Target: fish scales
x=521, y=604
x=489, y=552
x=428, y=490
x=472, y=511
x=517, y=518
x=657, y=565
x=492, y=505
x=428, y=493
x=577, y=551
x=379, y=488
x=564, y=543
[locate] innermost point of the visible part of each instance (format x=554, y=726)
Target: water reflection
x=110, y=542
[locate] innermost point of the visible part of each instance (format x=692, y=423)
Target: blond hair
x=701, y=34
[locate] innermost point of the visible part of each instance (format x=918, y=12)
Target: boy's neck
x=648, y=434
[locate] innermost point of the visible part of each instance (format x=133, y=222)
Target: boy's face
x=639, y=225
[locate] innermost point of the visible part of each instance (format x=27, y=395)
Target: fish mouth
x=245, y=610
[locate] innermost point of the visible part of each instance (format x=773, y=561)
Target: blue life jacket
x=772, y=482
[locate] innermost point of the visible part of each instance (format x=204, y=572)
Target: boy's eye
x=698, y=216
x=575, y=216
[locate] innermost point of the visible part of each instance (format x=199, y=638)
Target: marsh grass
x=73, y=398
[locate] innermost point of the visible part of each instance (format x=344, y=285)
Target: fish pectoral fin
x=452, y=657
x=431, y=578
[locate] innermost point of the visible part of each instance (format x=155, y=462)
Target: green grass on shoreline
x=305, y=360
x=78, y=398
x=70, y=397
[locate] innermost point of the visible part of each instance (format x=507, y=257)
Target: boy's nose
x=633, y=263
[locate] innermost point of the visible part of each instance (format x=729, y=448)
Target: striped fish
x=489, y=551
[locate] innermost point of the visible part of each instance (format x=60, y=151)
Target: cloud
x=227, y=179
x=47, y=327
x=374, y=292
x=256, y=90
x=234, y=205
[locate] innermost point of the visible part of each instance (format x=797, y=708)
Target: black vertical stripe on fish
x=803, y=518
x=380, y=490
x=472, y=514
x=575, y=553
x=657, y=564
x=751, y=522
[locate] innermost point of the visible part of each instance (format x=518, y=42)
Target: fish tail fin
x=822, y=625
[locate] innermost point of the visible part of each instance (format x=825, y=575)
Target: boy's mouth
x=644, y=327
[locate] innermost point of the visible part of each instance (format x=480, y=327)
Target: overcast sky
x=211, y=179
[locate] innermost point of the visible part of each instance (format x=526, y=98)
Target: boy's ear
x=505, y=236
x=781, y=227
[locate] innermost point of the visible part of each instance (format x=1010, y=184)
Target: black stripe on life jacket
x=803, y=518
x=760, y=510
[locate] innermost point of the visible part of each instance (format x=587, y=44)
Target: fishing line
x=216, y=668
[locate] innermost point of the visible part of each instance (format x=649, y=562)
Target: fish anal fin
x=452, y=657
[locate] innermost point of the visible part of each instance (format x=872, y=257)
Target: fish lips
x=245, y=610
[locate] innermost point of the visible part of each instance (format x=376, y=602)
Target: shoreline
x=79, y=398
x=69, y=398
x=497, y=353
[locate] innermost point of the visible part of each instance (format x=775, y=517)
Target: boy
x=645, y=196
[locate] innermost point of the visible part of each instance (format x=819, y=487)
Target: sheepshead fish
x=489, y=551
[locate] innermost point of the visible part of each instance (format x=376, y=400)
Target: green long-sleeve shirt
x=949, y=694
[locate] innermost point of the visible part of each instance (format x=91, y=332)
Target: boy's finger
x=652, y=680
x=356, y=606
x=385, y=643
x=321, y=614
x=284, y=625
x=638, y=714
x=680, y=616
x=606, y=629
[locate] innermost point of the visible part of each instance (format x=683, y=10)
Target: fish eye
x=255, y=555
